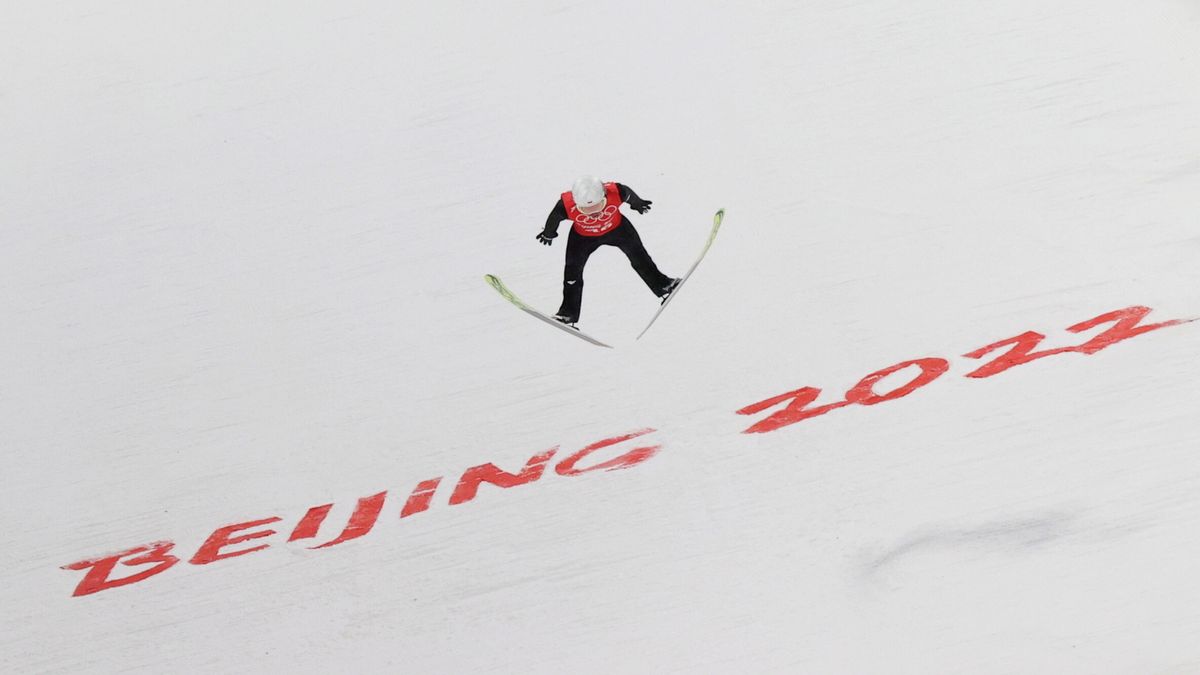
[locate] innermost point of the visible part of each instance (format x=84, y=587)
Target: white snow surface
x=241, y=258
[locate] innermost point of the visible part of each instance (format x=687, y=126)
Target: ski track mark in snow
x=1003, y=537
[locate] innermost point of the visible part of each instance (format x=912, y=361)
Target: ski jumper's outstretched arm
x=550, y=231
x=630, y=197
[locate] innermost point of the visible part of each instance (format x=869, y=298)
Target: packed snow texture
x=241, y=257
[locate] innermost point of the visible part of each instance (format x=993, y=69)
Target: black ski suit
x=580, y=248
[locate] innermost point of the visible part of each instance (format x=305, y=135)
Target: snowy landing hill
x=930, y=404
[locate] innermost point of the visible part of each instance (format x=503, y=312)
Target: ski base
x=717, y=219
x=495, y=283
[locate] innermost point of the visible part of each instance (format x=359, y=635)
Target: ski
x=717, y=218
x=495, y=283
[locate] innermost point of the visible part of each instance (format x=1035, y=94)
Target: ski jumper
x=609, y=227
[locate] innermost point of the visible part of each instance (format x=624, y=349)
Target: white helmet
x=588, y=192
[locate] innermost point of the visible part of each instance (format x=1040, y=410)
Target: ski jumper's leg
x=626, y=238
x=579, y=249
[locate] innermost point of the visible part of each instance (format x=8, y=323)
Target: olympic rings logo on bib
x=597, y=222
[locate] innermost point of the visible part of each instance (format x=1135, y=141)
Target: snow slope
x=241, y=259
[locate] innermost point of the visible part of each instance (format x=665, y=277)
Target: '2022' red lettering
x=1126, y=324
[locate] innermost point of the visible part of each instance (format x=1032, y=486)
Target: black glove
x=547, y=238
x=640, y=205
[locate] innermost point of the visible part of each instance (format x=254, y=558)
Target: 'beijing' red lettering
x=366, y=513
x=631, y=458
x=468, y=485
x=421, y=497
x=310, y=524
x=210, y=550
x=98, y=577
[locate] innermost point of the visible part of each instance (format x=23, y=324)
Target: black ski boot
x=567, y=321
x=670, y=289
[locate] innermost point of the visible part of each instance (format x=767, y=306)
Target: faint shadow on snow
x=1185, y=170
x=1003, y=537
